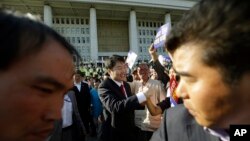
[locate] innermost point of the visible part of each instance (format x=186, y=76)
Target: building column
x=133, y=41
x=168, y=18
x=93, y=35
x=47, y=15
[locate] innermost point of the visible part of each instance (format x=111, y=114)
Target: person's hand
x=152, y=52
x=143, y=103
x=146, y=91
x=151, y=49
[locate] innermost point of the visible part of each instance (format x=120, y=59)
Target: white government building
x=100, y=28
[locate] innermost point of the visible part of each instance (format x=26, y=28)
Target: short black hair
x=221, y=28
x=111, y=61
x=79, y=72
x=21, y=36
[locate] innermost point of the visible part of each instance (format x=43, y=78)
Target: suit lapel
x=126, y=89
x=116, y=89
x=76, y=89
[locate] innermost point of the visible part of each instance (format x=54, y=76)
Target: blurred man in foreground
x=210, y=50
x=36, y=68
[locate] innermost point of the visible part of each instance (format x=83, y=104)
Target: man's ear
x=109, y=71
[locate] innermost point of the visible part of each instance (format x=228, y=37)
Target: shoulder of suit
x=177, y=110
x=84, y=83
x=106, y=82
x=179, y=114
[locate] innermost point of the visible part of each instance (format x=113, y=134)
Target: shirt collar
x=222, y=134
x=118, y=83
x=77, y=83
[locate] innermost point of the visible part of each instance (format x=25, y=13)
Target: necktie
x=123, y=90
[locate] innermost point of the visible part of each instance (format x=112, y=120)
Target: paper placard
x=131, y=59
x=161, y=35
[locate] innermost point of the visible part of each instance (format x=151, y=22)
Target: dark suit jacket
x=118, y=111
x=83, y=101
x=179, y=125
x=160, y=70
x=75, y=132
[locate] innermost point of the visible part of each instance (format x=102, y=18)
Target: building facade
x=100, y=28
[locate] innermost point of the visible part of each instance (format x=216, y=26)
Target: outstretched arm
x=154, y=110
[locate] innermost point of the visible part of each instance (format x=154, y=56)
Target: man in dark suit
x=119, y=103
x=82, y=94
x=179, y=125
x=210, y=51
x=66, y=129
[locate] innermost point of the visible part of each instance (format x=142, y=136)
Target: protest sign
x=161, y=35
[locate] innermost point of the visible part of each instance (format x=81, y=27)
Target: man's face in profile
x=32, y=91
x=207, y=97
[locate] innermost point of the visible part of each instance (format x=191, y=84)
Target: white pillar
x=133, y=41
x=47, y=15
x=93, y=35
x=168, y=18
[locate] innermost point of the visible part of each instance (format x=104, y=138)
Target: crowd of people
x=45, y=98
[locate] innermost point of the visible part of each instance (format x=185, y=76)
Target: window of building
x=67, y=30
x=77, y=21
x=151, y=32
x=87, y=30
x=82, y=31
x=72, y=21
x=83, y=39
x=62, y=20
x=67, y=21
x=77, y=30
x=82, y=21
x=73, y=30
x=148, y=41
x=78, y=40
x=57, y=21
x=87, y=40
x=143, y=32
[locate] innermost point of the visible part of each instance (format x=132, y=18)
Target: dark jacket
x=118, y=111
x=83, y=100
x=179, y=125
